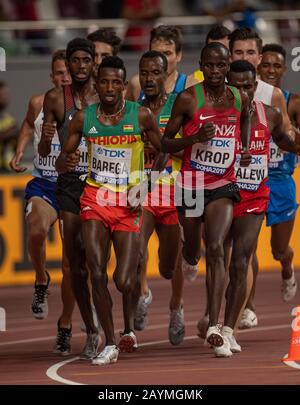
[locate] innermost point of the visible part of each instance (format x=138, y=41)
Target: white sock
x=227, y=331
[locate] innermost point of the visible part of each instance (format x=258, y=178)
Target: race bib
x=276, y=155
x=45, y=166
x=215, y=156
x=250, y=178
x=110, y=166
x=82, y=166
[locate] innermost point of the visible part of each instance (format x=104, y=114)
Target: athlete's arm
x=133, y=89
x=49, y=122
x=278, y=101
x=294, y=109
x=26, y=132
x=69, y=155
x=183, y=109
x=282, y=139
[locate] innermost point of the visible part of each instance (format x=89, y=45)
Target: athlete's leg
x=97, y=244
x=169, y=241
x=40, y=215
x=67, y=295
x=126, y=244
x=218, y=219
x=75, y=253
x=245, y=231
x=191, y=228
x=280, y=239
x=141, y=295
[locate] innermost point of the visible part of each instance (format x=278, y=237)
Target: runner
x=283, y=206
x=254, y=191
x=246, y=44
x=160, y=213
x=166, y=39
x=209, y=156
x=59, y=107
x=113, y=129
x=42, y=209
x=218, y=33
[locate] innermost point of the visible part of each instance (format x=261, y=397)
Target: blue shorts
x=44, y=189
x=282, y=205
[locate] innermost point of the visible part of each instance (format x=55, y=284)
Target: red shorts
x=251, y=203
x=110, y=208
x=160, y=202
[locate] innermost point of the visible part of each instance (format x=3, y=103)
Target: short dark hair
x=156, y=54
x=60, y=54
x=113, y=62
x=2, y=84
x=241, y=66
x=274, y=48
x=243, y=34
x=168, y=33
x=218, y=31
x=108, y=36
x=80, y=44
x=213, y=46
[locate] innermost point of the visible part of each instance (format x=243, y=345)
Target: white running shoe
x=234, y=346
x=224, y=350
x=108, y=355
x=249, y=319
x=176, y=326
x=189, y=270
x=141, y=316
x=127, y=342
x=289, y=288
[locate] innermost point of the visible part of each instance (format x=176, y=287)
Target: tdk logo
x=111, y=153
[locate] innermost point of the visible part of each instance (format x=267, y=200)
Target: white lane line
x=52, y=371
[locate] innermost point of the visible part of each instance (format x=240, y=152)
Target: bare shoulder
x=274, y=117
x=36, y=102
x=55, y=94
x=294, y=101
x=277, y=94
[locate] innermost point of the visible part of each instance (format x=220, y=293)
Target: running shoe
x=141, y=316
x=224, y=350
x=39, y=306
x=289, y=288
x=63, y=341
x=249, y=319
x=234, y=346
x=189, y=270
x=128, y=342
x=108, y=355
x=176, y=326
x=93, y=341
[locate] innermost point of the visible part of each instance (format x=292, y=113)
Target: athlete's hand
x=15, y=161
x=72, y=160
x=206, y=132
x=48, y=131
x=245, y=158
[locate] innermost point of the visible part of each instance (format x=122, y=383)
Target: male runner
x=209, y=156
x=113, y=129
x=159, y=212
x=42, y=209
x=59, y=107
